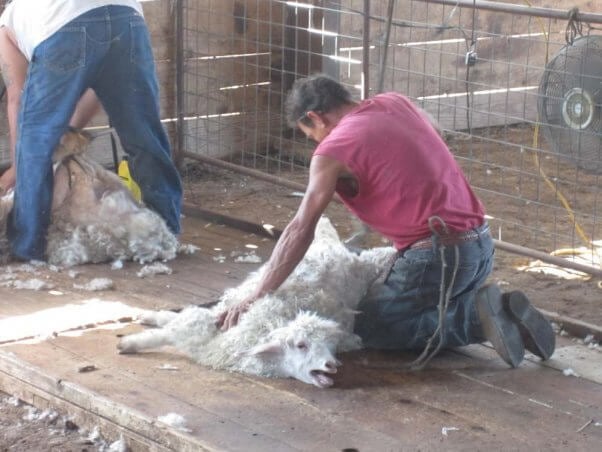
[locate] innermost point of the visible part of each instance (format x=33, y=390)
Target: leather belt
x=451, y=239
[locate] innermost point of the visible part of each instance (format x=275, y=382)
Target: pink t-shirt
x=405, y=171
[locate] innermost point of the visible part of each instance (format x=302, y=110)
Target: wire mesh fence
x=520, y=108
x=159, y=17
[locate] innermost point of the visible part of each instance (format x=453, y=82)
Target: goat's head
x=303, y=349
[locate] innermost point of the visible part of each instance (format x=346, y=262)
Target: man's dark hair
x=318, y=92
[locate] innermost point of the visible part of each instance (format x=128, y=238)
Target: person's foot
x=536, y=331
x=498, y=327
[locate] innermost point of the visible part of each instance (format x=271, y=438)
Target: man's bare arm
x=296, y=237
x=13, y=65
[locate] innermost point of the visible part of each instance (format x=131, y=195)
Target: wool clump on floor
x=94, y=216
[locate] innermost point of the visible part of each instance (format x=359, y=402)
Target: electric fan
x=570, y=101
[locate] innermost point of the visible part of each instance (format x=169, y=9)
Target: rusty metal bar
x=505, y=246
x=179, y=38
x=366, y=51
x=544, y=257
x=244, y=170
x=383, y=60
x=523, y=10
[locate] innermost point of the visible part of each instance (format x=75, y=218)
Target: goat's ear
x=269, y=348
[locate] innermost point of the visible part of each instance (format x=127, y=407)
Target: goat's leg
x=134, y=343
x=157, y=318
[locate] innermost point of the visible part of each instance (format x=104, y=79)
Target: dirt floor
x=24, y=428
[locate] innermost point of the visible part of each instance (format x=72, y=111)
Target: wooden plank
x=26, y=381
x=584, y=362
x=471, y=389
x=400, y=408
x=234, y=411
x=196, y=279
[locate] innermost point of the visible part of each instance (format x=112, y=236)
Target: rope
x=574, y=27
x=444, y=296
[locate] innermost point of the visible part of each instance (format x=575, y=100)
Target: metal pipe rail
x=524, y=10
x=505, y=246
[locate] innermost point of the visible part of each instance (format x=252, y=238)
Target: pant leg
x=128, y=90
x=403, y=313
x=55, y=81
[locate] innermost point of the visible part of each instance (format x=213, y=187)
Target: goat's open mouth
x=321, y=378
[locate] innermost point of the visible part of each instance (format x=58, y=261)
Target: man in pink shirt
x=391, y=168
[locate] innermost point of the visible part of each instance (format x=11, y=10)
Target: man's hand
x=230, y=318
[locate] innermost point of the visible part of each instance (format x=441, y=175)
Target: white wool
x=167, y=367
x=174, y=420
x=156, y=318
x=123, y=231
x=32, y=284
x=156, y=268
x=445, y=430
x=25, y=268
x=568, y=372
x=32, y=413
x=317, y=304
x=119, y=446
x=249, y=258
x=95, y=435
x=187, y=248
x=95, y=219
x=95, y=285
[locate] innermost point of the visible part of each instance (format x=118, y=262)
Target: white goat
x=94, y=216
x=293, y=332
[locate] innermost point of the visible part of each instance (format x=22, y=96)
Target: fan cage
x=570, y=98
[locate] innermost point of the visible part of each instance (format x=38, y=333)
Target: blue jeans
x=402, y=314
x=107, y=49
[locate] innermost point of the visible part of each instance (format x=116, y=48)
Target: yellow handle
x=124, y=173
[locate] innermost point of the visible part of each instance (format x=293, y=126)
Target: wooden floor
x=57, y=347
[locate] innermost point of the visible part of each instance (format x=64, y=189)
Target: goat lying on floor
x=94, y=216
x=294, y=332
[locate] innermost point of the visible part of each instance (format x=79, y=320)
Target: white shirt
x=33, y=21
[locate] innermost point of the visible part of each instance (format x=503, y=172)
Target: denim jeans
x=107, y=49
x=402, y=314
